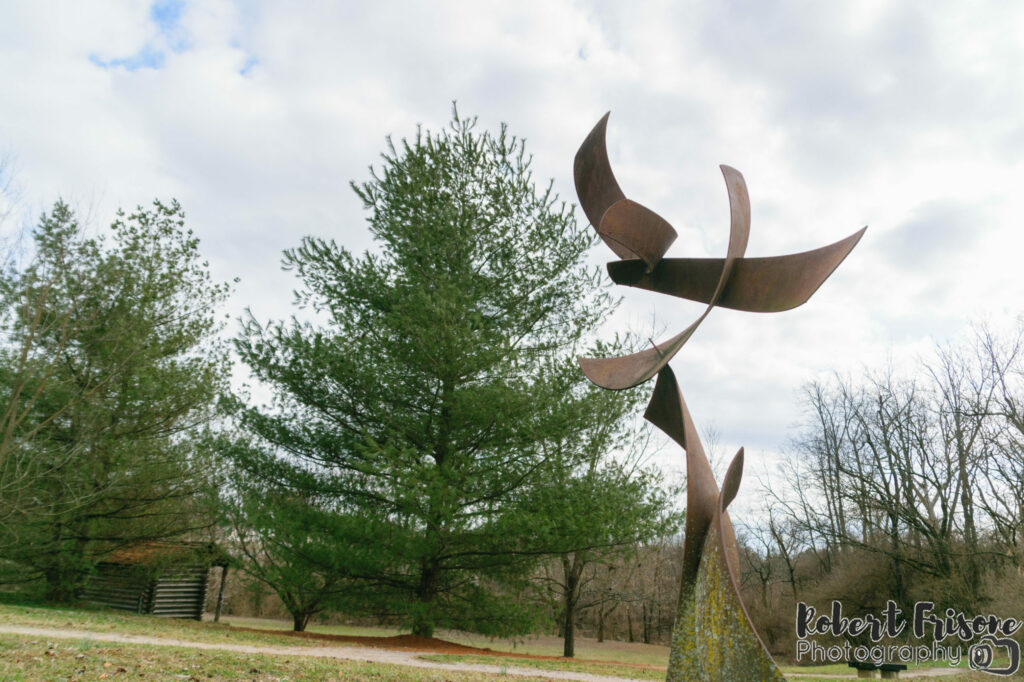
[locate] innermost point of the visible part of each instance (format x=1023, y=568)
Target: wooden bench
x=890, y=671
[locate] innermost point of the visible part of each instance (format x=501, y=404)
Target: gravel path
x=356, y=653
x=375, y=655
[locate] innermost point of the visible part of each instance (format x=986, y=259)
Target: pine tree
x=415, y=419
x=111, y=372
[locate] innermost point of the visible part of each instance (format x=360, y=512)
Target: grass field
x=635, y=672
x=622, y=652
x=24, y=657
x=27, y=658
x=586, y=650
x=97, y=620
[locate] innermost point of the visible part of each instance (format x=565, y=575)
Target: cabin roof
x=155, y=553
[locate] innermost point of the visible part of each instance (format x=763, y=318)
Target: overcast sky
x=907, y=117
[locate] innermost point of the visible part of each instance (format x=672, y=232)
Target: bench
x=890, y=671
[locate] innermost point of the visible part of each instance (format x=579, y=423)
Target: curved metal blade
x=759, y=285
x=739, y=211
x=667, y=410
x=595, y=183
x=739, y=226
x=631, y=370
x=731, y=482
x=730, y=486
x=627, y=371
x=637, y=228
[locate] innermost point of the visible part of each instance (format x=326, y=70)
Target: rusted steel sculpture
x=713, y=637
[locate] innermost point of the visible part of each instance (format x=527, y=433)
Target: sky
x=906, y=117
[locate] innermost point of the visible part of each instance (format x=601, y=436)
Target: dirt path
x=404, y=656
x=356, y=653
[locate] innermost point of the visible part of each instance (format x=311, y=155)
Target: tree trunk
x=220, y=593
x=62, y=579
x=257, y=591
x=63, y=571
x=300, y=619
x=59, y=588
x=423, y=619
x=569, y=643
x=972, y=572
x=570, y=596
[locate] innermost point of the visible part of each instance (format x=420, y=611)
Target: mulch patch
x=426, y=644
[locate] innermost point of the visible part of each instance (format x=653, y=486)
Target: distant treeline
x=902, y=484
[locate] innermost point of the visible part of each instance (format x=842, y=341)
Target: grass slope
x=24, y=658
x=31, y=658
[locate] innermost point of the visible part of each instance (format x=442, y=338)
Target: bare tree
x=1000, y=489
x=924, y=470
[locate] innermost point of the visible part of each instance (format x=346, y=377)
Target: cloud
x=256, y=115
x=169, y=36
x=933, y=235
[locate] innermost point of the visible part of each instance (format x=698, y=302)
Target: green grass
x=844, y=669
x=102, y=620
x=27, y=658
x=659, y=673
x=622, y=652
x=586, y=648
x=966, y=677
x=349, y=630
x=563, y=665
x=831, y=669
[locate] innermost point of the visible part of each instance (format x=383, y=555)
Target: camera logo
x=981, y=655
x=992, y=650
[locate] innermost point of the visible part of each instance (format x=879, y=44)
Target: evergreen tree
x=417, y=417
x=111, y=371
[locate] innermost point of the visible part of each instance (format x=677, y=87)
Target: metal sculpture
x=713, y=637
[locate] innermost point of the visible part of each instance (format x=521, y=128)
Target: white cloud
x=905, y=117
